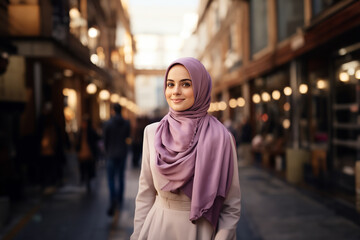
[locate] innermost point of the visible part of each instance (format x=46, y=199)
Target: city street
x=271, y=209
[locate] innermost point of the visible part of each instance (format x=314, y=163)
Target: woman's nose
x=176, y=90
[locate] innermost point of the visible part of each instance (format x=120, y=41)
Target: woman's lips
x=177, y=100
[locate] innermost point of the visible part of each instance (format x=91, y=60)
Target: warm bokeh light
x=65, y=91
x=286, y=123
x=276, y=94
x=357, y=74
x=351, y=71
x=68, y=73
x=74, y=13
x=211, y=107
x=344, y=77
x=321, y=84
x=94, y=59
x=265, y=96
x=114, y=97
x=233, y=103
x=123, y=101
x=264, y=117
x=91, y=88
x=286, y=106
x=216, y=106
x=93, y=32
x=241, y=102
x=104, y=94
x=256, y=98
x=71, y=97
x=222, y=106
x=303, y=88
x=287, y=91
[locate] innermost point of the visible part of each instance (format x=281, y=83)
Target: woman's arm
x=146, y=194
x=230, y=213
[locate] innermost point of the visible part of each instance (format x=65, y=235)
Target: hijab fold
x=194, y=150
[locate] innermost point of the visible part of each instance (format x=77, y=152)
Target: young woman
x=189, y=185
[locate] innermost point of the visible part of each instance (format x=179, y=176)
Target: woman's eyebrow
x=182, y=80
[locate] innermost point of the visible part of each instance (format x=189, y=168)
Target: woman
x=189, y=186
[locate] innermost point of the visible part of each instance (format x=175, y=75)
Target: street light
x=91, y=88
x=104, y=95
x=93, y=32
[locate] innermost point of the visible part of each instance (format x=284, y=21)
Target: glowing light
x=256, y=98
x=287, y=107
x=91, y=88
x=342, y=51
x=123, y=101
x=287, y=91
x=211, y=107
x=303, y=88
x=74, y=13
x=276, y=94
x=286, y=123
x=65, y=91
x=264, y=117
x=265, y=97
x=114, y=97
x=351, y=71
x=321, y=84
x=241, y=102
x=222, y=106
x=104, y=94
x=357, y=74
x=233, y=103
x=68, y=73
x=93, y=32
x=215, y=106
x=344, y=77
x=94, y=58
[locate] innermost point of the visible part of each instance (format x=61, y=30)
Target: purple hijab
x=194, y=149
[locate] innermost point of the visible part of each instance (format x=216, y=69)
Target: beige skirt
x=169, y=219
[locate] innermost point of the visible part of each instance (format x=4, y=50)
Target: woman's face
x=179, y=91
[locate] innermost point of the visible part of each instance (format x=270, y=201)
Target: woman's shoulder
x=151, y=128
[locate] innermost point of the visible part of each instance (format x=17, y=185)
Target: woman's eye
x=170, y=84
x=186, y=84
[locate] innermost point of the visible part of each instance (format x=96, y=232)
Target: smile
x=177, y=100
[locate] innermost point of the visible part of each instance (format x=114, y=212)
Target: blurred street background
x=286, y=83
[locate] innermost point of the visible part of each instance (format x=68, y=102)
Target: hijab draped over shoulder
x=194, y=149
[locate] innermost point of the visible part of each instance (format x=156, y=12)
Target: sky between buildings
x=159, y=28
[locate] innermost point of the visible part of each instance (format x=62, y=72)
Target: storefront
x=346, y=117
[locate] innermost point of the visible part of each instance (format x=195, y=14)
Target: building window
x=318, y=6
x=258, y=25
x=290, y=16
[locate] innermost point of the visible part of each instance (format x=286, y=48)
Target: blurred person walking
x=115, y=133
x=137, y=141
x=86, y=152
x=189, y=185
x=245, y=138
x=52, y=157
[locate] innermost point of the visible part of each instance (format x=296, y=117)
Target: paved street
x=271, y=210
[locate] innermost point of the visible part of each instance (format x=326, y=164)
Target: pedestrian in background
x=115, y=133
x=137, y=140
x=52, y=157
x=86, y=151
x=189, y=186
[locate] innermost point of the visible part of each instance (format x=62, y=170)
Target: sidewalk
x=275, y=210
x=271, y=210
x=70, y=212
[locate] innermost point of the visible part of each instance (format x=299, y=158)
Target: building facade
x=293, y=69
x=66, y=61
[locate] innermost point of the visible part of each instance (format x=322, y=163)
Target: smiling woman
x=189, y=184
x=179, y=91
